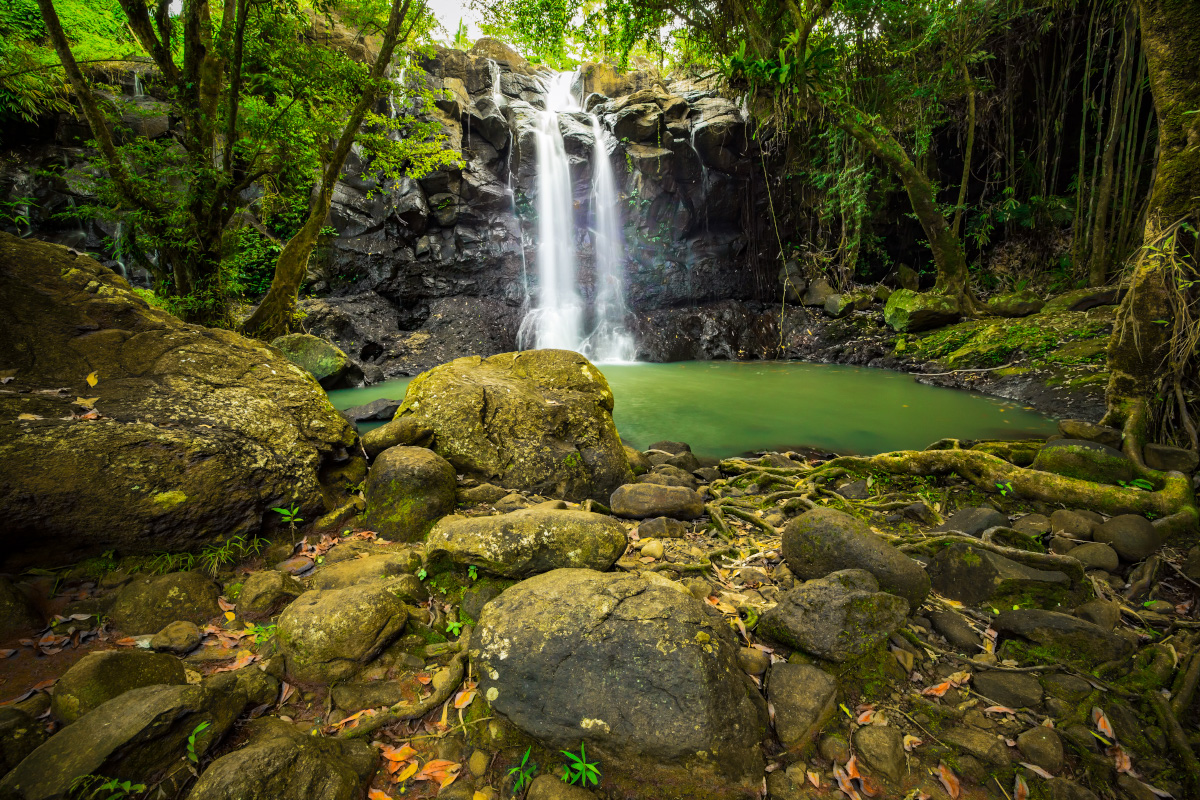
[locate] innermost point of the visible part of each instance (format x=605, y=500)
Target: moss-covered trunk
x=273, y=317
x=1143, y=373
x=948, y=254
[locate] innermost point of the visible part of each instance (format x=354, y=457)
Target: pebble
x=753, y=661
x=653, y=548
x=1096, y=555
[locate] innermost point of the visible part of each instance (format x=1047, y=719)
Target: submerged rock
x=539, y=421
x=280, y=762
x=525, y=543
x=641, y=671
x=408, y=489
x=200, y=430
x=838, y=617
x=823, y=540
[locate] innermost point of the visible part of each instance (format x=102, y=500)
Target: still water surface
x=724, y=408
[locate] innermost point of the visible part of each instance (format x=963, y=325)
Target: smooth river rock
x=408, y=489
x=645, y=500
x=824, y=540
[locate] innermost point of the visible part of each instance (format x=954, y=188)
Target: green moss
x=869, y=677
x=988, y=342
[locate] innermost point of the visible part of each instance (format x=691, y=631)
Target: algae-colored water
x=724, y=408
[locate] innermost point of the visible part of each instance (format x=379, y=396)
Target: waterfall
x=557, y=318
x=609, y=341
x=137, y=86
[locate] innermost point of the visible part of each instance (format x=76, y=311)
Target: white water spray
x=609, y=342
x=557, y=318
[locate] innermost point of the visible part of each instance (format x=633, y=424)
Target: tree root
x=1174, y=503
x=444, y=685
x=1178, y=740
x=765, y=526
x=1187, y=689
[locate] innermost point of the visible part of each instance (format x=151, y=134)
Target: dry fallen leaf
x=28, y=417
x=408, y=772
x=950, y=781
x=93, y=379
x=86, y=402
x=375, y=794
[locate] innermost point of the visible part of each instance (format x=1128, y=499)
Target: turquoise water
x=724, y=408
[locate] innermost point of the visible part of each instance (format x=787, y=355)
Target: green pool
x=724, y=408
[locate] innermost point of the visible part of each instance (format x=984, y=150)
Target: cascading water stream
x=558, y=314
x=609, y=342
x=556, y=319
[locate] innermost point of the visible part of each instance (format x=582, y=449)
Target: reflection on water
x=724, y=408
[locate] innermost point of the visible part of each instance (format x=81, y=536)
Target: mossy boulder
x=1059, y=637
x=529, y=542
x=635, y=667
x=408, y=489
x=908, y=311
x=141, y=733
x=148, y=604
x=280, y=762
x=1021, y=303
x=201, y=431
x=1085, y=460
x=646, y=500
x=838, y=617
x=17, y=612
x=327, y=635
x=267, y=591
x=539, y=421
x=973, y=575
x=824, y=540
x=406, y=431
x=99, y=677
x=332, y=368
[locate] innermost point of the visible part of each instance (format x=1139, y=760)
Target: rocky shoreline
x=500, y=594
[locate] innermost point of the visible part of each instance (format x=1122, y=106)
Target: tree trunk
x=273, y=317
x=948, y=255
x=1139, y=353
x=1100, y=261
x=956, y=226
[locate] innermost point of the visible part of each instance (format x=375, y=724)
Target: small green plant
x=191, y=747
x=290, y=515
x=454, y=627
x=215, y=556
x=261, y=633
x=473, y=572
x=86, y=787
x=1004, y=488
x=523, y=773
x=422, y=574
x=579, y=770
x=1138, y=483
x=170, y=562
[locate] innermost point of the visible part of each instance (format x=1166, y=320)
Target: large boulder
x=908, y=311
x=280, y=762
x=529, y=542
x=148, y=604
x=646, y=500
x=200, y=431
x=1060, y=637
x=140, y=733
x=394, y=434
x=99, y=677
x=1084, y=460
x=838, y=617
x=327, y=635
x=332, y=368
x=408, y=489
x=539, y=420
x=824, y=540
x=973, y=575
x=641, y=671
